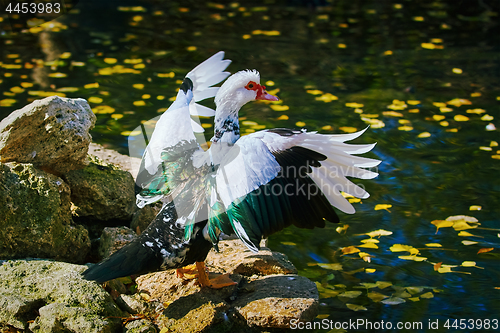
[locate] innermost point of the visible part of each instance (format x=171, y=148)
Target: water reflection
x=398, y=60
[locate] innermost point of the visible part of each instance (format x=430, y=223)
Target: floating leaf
x=95, y=100
x=414, y=290
x=383, y=206
x=468, y=264
x=445, y=269
x=424, y=135
x=457, y=70
x=283, y=117
x=378, y=233
x=354, y=105
x=300, y=124
x=327, y=98
x=289, y=243
x=91, y=85
x=349, y=250
x=369, y=245
x=314, y=92
x=356, y=307
x=433, y=245
x=376, y=297
x=332, y=266
x=441, y=224
x=475, y=207
x=414, y=258
x=427, y=295
x=476, y=111
x=383, y=284
x=467, y=242
x=348, y=129
x=459, y=102
x=403, y=248
x=350, y=294
x=392, y=114
x=487, y=117
x=370, y=240
x=414, y=299
x=393, y=301
x=484, y=250
x=342, y=228
x=460, y=117
x=277, y=107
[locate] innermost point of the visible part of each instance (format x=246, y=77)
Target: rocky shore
x=65, y=202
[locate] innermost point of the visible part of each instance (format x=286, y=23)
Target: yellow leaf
x=460, y=117
x=191, y=48
x=139, y=103
x=445, y=269
x=332, y=266
x=375, y=296
x=350, y=294
x=350, y=249
x=484, y=250
x=277, y=107
x=466, y=242
x=402, y=248
x=468, y=264
x=492, y=143
x=424, y=135
x=95, y=100
x=138, y=86
x=475, y=207
x=342, y=228
x=465, y=234
x=369, y=245
x=441, y=224
x=327, y=98
x=110, y=61
x=413, y=102
x=388, y=52
x=405, y=128
x=414, y=258
x=414, y=299
x=444, y=123
x=355, y=307
x=300, y=124
x=438, y=117
x=116, y=116
x=393, y=301
x=348, y=129
x=57, y=75
x=476, y=111
x=475, y=94
x=26, y=84
x=283, y=117
x=341, y=46
x=327, y=128
x=428, y=46
x=91, y=85
x=383, y=206
x=459, y=102
x=370, y=240
x=392, y=114
x=314, y=92
x=322, y=316
x=433, y=245
x=445, y=109
x=378, y=233
x=354, y=105
x=427, y=295
x=439, y=104
x=383, y=284
x=103, y=109
x=487, y=117
x=457, y=71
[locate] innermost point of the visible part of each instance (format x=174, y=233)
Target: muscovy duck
x=252, y=186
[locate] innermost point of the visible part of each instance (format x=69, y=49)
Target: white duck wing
x=174, y=133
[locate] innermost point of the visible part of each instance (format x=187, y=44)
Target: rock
x=124, y=162
x=236, y=258
x=35, y=216
x=277, y=299
x=53, y=297
x=259, y=300
x=140, y=326
x=102, y=192
x=131, y=304
x=113, y=239
x=51, y=133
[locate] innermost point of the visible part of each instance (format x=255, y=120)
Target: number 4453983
x=472, y=324
x=33, y=8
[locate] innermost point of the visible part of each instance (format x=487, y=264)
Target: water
x=397, y=58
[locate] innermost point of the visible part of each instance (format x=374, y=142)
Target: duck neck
x=226, y=125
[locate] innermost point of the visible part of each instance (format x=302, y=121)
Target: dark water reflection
x=364, y=52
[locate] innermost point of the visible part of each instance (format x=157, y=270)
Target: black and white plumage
x=251, y=186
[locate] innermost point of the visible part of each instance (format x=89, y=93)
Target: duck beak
x=263, y=95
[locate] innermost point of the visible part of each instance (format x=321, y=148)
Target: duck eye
x=251, y=85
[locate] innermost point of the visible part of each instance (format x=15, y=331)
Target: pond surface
x=424, y=75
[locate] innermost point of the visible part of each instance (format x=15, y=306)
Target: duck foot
x=199, y=270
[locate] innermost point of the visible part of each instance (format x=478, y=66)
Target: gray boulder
x=35, y=216
x=49, y=297
x=51, y=133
